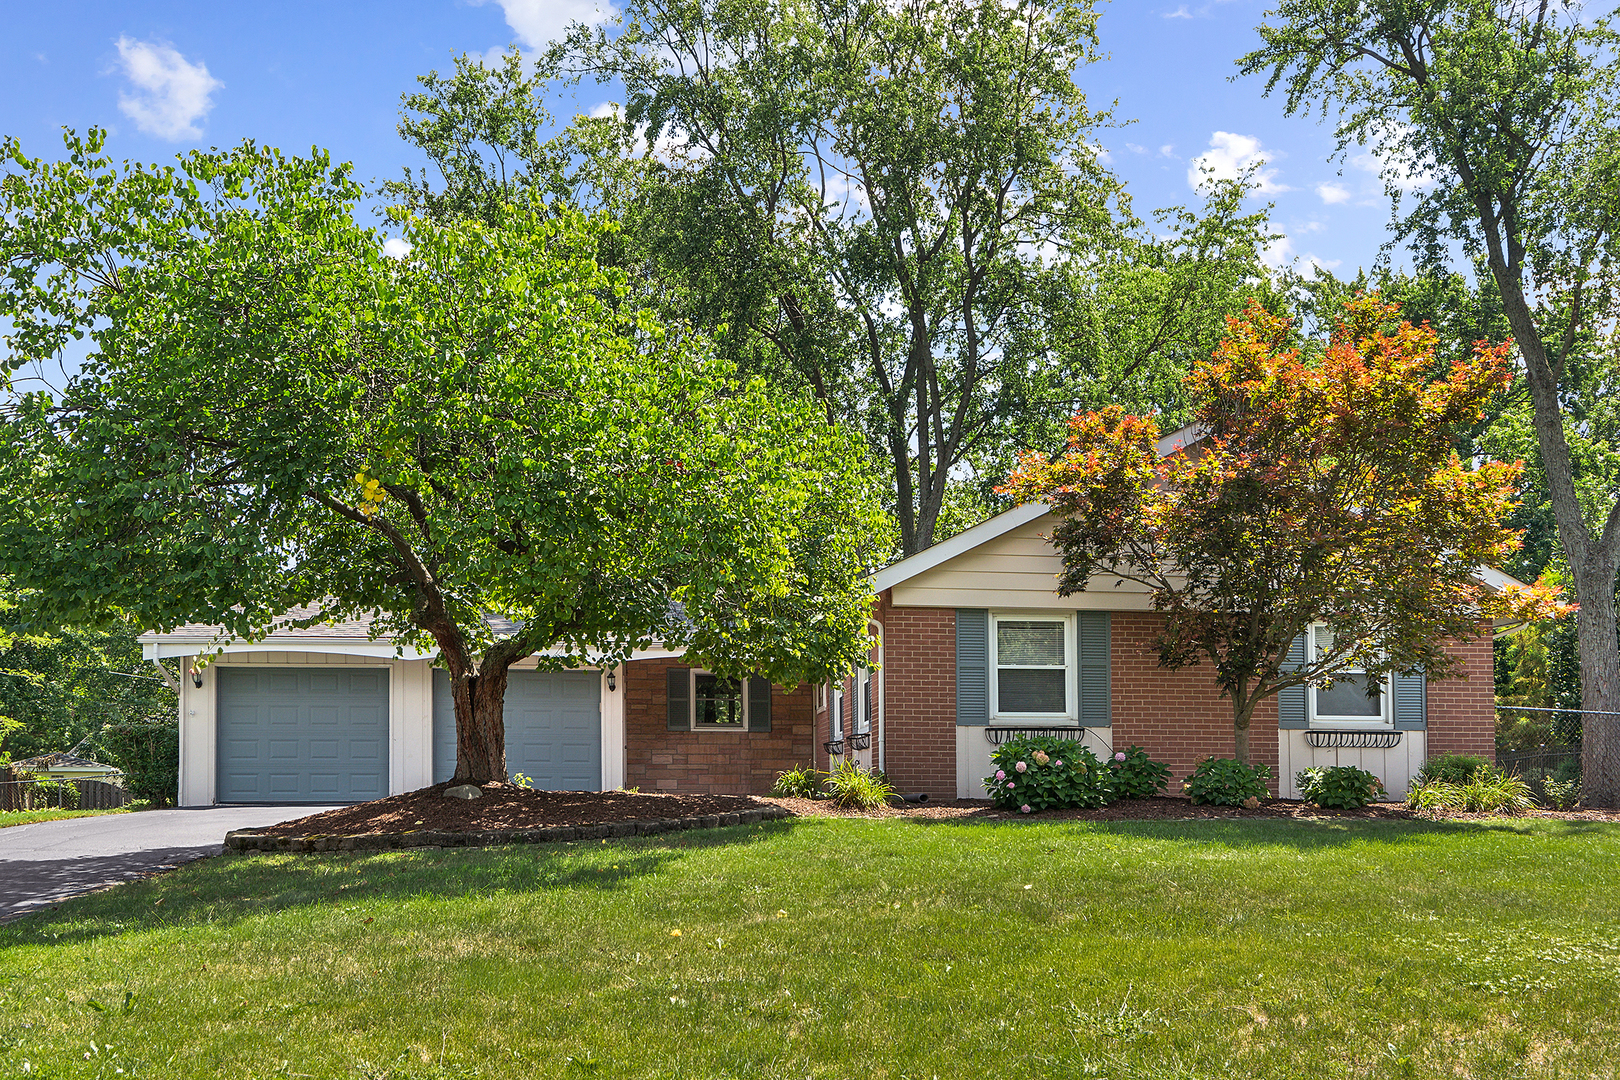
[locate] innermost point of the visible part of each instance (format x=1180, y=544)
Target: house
x=329, y=714
x=976, y=646
x=65, y=765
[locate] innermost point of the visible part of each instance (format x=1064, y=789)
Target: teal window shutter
x=1411, y=702
x=1291, y=701
x=972, y=667
x=1094, y=635
x=680, y=698
x=759, y=704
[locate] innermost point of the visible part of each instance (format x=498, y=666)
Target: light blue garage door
x=302, y=734
x=553, y=729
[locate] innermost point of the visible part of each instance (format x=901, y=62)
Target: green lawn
x=852, y=948
x=28, y=817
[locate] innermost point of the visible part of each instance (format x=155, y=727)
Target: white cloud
x=1333, y=194
x=1393, y=163
x=171, y=93
x=1168, y=150
x=1180, y=13
x=1280, y=255
x=1133, y=148
x=396, y=248
x=537, y=23
x=1228, y=157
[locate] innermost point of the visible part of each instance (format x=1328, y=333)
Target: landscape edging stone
x=246, y=841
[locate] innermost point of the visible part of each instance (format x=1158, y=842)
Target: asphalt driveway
x=49, y=861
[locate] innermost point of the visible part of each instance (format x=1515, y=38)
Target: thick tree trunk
x=1240, y=735
x=1600, y=679
x=1592, y=558
x=480, y=702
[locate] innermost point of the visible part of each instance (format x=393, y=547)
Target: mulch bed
x=505, y=807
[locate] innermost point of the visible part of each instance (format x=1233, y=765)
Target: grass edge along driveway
x=851, y=948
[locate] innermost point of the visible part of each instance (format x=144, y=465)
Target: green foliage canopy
x=483, y=445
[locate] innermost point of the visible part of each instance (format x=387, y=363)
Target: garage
x=294, y=734
x=553, y=728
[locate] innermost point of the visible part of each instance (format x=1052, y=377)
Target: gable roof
x=960, y=544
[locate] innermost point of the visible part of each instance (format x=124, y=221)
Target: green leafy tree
x=1320, y=492
x=482, y=444
x=1499, y=127
x=63, y=686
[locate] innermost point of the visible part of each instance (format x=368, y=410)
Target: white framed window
x=821, y=697
x=1032, y=667
x=718, y=704
x=1346, y=703
x=863, y=715
x=836, y=712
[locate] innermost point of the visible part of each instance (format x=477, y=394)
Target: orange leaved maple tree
x=1309, y=490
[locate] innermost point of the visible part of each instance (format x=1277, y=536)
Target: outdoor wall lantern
x=196, y=678
x=613, y=681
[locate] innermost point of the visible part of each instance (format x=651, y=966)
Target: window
x=863, y=722
x=837, y=712
x=718, y=704
x=1346, y=703
x=1032, y=667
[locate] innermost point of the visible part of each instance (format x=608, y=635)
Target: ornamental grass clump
x=1135, y=775
x=799, y=782
x=850, y=787
x=1488, y=792
x=1227, y=782
x=1040, y=772
x=1339, y=787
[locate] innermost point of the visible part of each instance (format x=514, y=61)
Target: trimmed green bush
x=1227, y=782
x=1450, y=769
x=1562, y=794
x=1339, y=787
x=149, y=754
x=1041, y=772
x=1135, y=775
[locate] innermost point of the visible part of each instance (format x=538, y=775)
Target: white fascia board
x=960, y=544
x=1495, y=579
x=1180, y=439
x=382, y=650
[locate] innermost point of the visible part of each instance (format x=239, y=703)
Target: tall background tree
x=900, y=208
x=1505, y=113
x=485, y=445
x=1325, y=490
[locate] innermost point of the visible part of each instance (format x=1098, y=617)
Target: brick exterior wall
x=708, y=762
x=1462, y=711
x=919, y=654
x=1178, y=716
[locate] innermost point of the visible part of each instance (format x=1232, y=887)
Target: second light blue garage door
x=553, y=729
x=289, y=734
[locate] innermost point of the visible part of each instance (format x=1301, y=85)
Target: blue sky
x=167, y=76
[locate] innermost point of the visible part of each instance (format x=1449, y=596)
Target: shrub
x=1342, y=787
x=1562, y=794
x=1450, y=769
x=57, y=794
x=1488, y=792
x=799, y=782
x=149, y=754
x=1227, y=782
x=851, y=787
x=1041, y=772
x=1134, y=775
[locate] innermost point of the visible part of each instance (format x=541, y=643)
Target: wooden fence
x=25, y=792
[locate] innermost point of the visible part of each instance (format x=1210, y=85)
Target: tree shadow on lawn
x=1304, y=833
x=226, y=889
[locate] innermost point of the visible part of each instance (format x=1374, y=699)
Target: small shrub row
x=1043, y=772
x=1338, y=787
x=1227, y=782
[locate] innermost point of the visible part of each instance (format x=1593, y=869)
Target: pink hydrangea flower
x=1040, y=757
x=1024, y=809
x=1010, y=785
x=1119, y=757
x=1022, y=766
x=1000, y=775
x=1059, y=763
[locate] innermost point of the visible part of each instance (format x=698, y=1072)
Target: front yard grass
x=28, y=817
x=851, y=948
